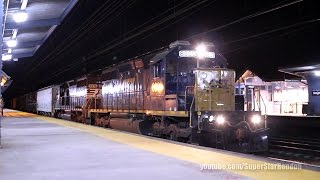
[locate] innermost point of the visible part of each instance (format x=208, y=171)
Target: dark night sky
x=76, y=46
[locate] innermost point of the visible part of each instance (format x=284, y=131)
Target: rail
x=306, y=150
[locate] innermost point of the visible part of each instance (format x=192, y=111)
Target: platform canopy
x=28, y=23
x=303, y=71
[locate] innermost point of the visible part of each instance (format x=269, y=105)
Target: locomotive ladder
x=219, y=138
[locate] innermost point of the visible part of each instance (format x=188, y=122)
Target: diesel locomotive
x=183, y=92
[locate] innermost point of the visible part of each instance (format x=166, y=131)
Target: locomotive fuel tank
x=134, y=123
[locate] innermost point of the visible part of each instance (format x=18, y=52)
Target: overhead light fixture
x=6, y=57
x=12, y=43
x=317, y=73
x=9, y=51
x=20, y=16
x=15, y=59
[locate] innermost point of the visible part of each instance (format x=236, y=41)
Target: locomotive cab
x=218, y=123
x=198, y=82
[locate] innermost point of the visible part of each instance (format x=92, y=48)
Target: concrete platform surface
x=37, y=147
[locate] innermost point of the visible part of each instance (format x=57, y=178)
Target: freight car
x=26, y=102
x=46, y=100
x=180, y=92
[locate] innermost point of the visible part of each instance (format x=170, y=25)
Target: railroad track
x=296, y=149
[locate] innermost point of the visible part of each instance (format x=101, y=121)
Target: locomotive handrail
x=190, y=118
x=265, y=111
x=245, y=122
x=73, y=103
x=185, y=96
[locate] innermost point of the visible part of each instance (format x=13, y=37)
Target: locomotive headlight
x=220, y=119
x=211, y=118
x=264, y=137
x=201, y=51
x=256, y=119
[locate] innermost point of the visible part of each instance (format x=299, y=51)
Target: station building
x=311, y=73
x=286, y=97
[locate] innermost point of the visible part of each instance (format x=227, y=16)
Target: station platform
x=37, y=147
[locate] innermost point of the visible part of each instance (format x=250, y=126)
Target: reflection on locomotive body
x=169, y=93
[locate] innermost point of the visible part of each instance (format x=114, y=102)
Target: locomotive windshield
x=188, y=64
x=214, y=89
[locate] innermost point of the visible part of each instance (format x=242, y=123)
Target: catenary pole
x=1, y=44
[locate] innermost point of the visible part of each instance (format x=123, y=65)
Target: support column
x=1, y=44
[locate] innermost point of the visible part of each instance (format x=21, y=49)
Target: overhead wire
x=103, y=50
x=304, y=25
x=82, y=30
x=99, y=51
x=272, y=31
x=246, y=18
x=160, y=29
x=108, y=46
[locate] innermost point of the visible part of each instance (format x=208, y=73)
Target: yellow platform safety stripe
x=190, y=154
x=18, y=114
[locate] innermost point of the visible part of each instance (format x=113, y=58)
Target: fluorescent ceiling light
x=12, y=43
x=9, y=51
x=6, y=57
x=317, y=73
x=20, y=16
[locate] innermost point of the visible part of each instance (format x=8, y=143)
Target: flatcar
x=181, y=92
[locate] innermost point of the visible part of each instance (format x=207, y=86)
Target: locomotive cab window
x=157, y=69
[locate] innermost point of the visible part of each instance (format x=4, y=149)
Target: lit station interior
x=179, y=111
x=311, y=74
